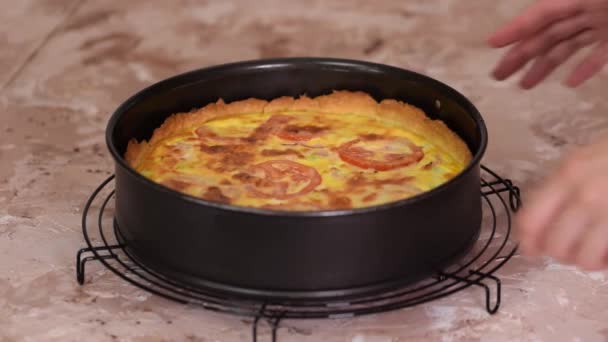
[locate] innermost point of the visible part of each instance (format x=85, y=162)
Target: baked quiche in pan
x=344, y=150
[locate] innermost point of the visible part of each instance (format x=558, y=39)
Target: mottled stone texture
x=66, y=64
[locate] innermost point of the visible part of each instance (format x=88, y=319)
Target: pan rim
x=279, y=62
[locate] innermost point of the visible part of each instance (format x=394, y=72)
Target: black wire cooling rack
x=493, y=249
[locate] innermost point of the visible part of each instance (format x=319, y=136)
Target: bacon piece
x=300, y=133
x=339, y=202
x=370, y=198
x=359, y=180
x=176, y=184
x=271, y=126
x=370, y=137
x=274, y=153
x=215, y=194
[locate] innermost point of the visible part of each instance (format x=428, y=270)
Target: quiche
x=338, y=151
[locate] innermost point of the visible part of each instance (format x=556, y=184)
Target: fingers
x=518, y=56
x=565, y=233
x=554, y=196
x=544, y=65
x=544, y=206
x=567, y=218
x=593, y=250
x=591, y=65
x=535, y=18
x=578, y=234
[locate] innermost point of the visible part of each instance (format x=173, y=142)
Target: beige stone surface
x=21, y=40
x=65, y=65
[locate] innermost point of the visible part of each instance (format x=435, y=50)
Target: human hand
x=567, y=217
x=549, y=33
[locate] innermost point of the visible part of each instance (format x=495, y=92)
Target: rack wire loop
x=492, y=309
x=256, y=321
x=506, y=185
x=81, y=260
x=476, y=269
x=274, y=324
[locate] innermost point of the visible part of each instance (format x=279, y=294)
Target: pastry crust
x=344, y=102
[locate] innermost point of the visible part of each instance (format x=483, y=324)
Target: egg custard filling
x=339, y=151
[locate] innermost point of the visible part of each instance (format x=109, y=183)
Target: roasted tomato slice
x=281, y=179
x=381, y=154
x=300, y=132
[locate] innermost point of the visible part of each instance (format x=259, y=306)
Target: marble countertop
x=66, y=64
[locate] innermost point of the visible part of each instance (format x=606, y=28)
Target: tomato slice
x=282, y=179
x=381, y=154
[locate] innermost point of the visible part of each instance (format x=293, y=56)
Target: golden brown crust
x=433, y=130
x=135, y=151
x=346, y=102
